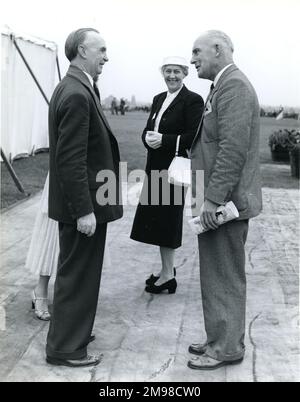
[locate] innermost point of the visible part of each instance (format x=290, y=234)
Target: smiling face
x=205, y=58
x=173, y=76
x=93, y=50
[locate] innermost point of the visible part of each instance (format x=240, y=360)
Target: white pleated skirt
x=44, y=246
x=43, y=251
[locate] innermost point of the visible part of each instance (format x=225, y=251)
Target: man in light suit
x=226, y=147
x=81, y=145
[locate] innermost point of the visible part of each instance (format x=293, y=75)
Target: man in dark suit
x=226, y=147
x=81, y=146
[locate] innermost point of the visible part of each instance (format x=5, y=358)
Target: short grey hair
x=221, y=37
x=184, y=69
x=75, y=39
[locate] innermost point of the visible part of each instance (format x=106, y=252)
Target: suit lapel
x=178, y=98
x=157, y=107
x=209, y=99
x=80, y=76
x=100, y=110
x=161, y=100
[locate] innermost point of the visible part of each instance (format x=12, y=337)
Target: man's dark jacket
x=81, y=145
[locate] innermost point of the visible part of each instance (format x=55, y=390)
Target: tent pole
x=58, y=68
x=3, y=156
x=13, y=173
x=29, y=69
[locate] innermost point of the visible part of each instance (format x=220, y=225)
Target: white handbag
x=179, y=172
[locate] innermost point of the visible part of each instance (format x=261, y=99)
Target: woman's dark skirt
x=160, y=224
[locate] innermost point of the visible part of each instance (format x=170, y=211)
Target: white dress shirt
x=90, y=78
x=167, y=102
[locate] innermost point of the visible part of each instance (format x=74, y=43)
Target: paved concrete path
x=145, y=337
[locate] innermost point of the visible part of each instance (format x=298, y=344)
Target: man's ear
x=218, y=50
x=81, y=51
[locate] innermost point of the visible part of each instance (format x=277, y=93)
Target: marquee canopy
x=24, y=122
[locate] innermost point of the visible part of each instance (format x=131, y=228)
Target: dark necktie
x=97, y=91
x=211, y=89
x=208, y=99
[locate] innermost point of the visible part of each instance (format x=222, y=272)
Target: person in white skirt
x=43, y=254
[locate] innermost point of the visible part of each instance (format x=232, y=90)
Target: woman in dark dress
x=174, y=113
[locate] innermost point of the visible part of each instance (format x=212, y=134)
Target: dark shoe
x=205, y=362
x=84, y=362
x=170, y=286
x=198, y=348
x=152, y=279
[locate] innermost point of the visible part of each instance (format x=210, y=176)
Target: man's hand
x=87, y=224
x=208, y=216
x=153, y=139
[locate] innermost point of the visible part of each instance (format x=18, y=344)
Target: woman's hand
x=153, y=139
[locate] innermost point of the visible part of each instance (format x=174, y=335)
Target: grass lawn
x=128, y=130
x=32, y=171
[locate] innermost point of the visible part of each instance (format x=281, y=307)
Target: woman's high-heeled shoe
x=152, y=279
x=170, y=286
x=43, y=315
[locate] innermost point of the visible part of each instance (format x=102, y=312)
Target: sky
x=140, y=33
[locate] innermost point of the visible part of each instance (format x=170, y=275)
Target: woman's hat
x=174, y=60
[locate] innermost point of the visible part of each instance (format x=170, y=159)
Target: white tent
x=24, y=111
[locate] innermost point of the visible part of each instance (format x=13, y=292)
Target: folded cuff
x=76, y=355
x=224, y=357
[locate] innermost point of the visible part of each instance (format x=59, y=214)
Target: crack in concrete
x=93, y=370
x=163, y=368
x=133, y=318
x=257, y=245
x=27, y=346
x=254, y=373
x=10, y=298
x=182, y=322
x=250, y=255
x=15, y=245
x=149, y=301
x=186, y=259
x=182, y=263
x=179, y=336
x=119, y=349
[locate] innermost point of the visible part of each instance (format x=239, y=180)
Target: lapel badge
x=208, y=108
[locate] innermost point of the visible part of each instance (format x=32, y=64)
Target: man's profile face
x=203, y=57
x=95, y=53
